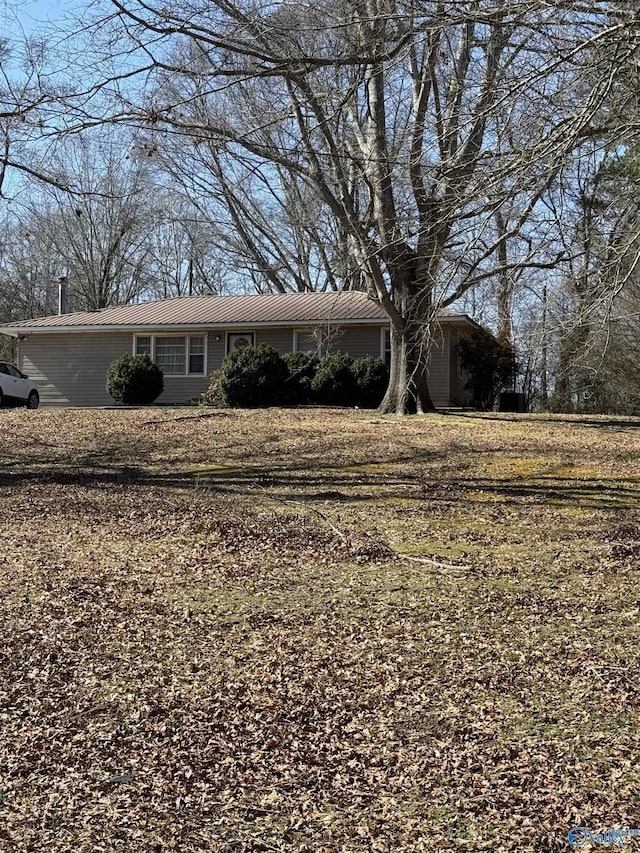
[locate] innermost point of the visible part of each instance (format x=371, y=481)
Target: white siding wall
x=281, y=339
x=359, y=342
x=356, y=340
x=439, y=370
x=70, y=368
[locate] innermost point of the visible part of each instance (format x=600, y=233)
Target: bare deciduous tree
x=267, y=221
x=99, y=226
x=411, y=122
x=183, y=254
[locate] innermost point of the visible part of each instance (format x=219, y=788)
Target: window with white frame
x=385, y=347
x=175, y=355
x=196, y=354
x=306, y=340
x=143, y=345
x=170, y=354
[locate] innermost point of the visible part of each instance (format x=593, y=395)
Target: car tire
x=33, y=401
x=0, y=399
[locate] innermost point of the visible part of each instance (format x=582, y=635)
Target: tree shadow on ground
x=315, y=482
x=611, y=423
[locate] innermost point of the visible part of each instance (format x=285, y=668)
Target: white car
x=16, y=388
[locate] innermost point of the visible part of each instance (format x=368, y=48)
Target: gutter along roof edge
x=177, y=327
x=18, y=330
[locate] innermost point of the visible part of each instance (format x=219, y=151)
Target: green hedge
x=259, y=376
x=334, y=383
x=490, y=367
x=302, y=367
x=372, y=378
x=253, y=378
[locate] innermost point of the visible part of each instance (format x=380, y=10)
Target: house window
x=306, y=340
x=320, y=340
x=143, y=345
x=175, y=355
x=385, y=347
x=196, y=354
x=170, y=355
x=239, y=340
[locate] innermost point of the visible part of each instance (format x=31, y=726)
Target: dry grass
x=317, y=631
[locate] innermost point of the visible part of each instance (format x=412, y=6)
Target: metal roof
x=283, y=309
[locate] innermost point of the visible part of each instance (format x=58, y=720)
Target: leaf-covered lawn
x=317, y=631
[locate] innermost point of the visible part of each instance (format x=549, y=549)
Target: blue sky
x=31, y=15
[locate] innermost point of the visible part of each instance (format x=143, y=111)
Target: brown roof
x=256, y=309
x=267, y=309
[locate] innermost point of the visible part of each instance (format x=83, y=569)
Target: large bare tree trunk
x=505, y=283
x=408, y=391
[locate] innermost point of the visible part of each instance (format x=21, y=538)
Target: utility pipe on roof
x=62, y=294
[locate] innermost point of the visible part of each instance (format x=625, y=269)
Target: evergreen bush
x=213, y=396
x=253, y=377
x=134, y=380
x=334, y=383
x=372, y=378
x=302, y=367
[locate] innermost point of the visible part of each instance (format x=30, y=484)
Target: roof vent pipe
x=62, y=294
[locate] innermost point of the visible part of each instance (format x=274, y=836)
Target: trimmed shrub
x=134, y=380
x=302, y=367
x=334, y=383
x=253, y=377
x=213, y=396
x=372, y=378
